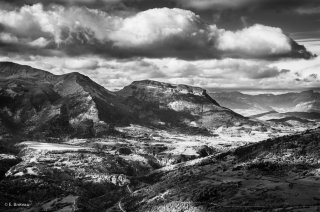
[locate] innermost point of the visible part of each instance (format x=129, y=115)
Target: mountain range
x=39, y=103
x=305, y=104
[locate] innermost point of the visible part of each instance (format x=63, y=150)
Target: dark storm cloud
x=267, y=73
x=95, y=3
x=226, y=13
x=152, y=33
x=191, y=4
x=247, y=4
x=12, y=49
x=105, y=5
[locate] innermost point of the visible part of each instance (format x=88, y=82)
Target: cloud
x=156, y=26
x=195, y=5
x=226, y=73
x=39, y=42
x=59, y=24
x=218, y=5
x=256, y=40
x=76, y=64
x=312, y=78
x=213, y=73
x=88, y=3
x=164, y=32
x=8, y=38
x=152, y=33
x=308, y=10
x=267, y=73
x=228, y=70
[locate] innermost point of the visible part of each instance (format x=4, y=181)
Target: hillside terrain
x=69, y=144
x=139, y=172
x=280, y=174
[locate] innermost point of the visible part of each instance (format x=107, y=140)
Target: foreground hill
x=280, y=174
x=108, y=175
x=41, y=104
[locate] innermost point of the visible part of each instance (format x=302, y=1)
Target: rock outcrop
x=172, y=105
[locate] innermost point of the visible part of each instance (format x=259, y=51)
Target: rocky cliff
x=168, y=104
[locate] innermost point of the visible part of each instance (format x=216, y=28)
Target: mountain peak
x=14, y=70
x=177, y=105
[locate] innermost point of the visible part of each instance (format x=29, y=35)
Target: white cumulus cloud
x=160, y=32
x=81, y=63
x=159, y=26
x=256, y=40
x=8, y=38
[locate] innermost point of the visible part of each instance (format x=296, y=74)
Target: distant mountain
x=273, y=112
x=159, y=102
x=38, y=103
x=248, y=105
x=291, y=119
x=274, y=115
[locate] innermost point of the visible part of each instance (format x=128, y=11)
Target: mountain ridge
x=77, y=99
x=75, y=102
x=249, y=105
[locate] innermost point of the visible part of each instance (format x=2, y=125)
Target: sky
x=222, y=44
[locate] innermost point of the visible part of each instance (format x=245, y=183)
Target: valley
x=304, y=104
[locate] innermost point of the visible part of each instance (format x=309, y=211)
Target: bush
x=267, y=167
x=124, y=151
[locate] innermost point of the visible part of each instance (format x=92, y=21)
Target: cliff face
x=153, y=91
x=177, y=104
